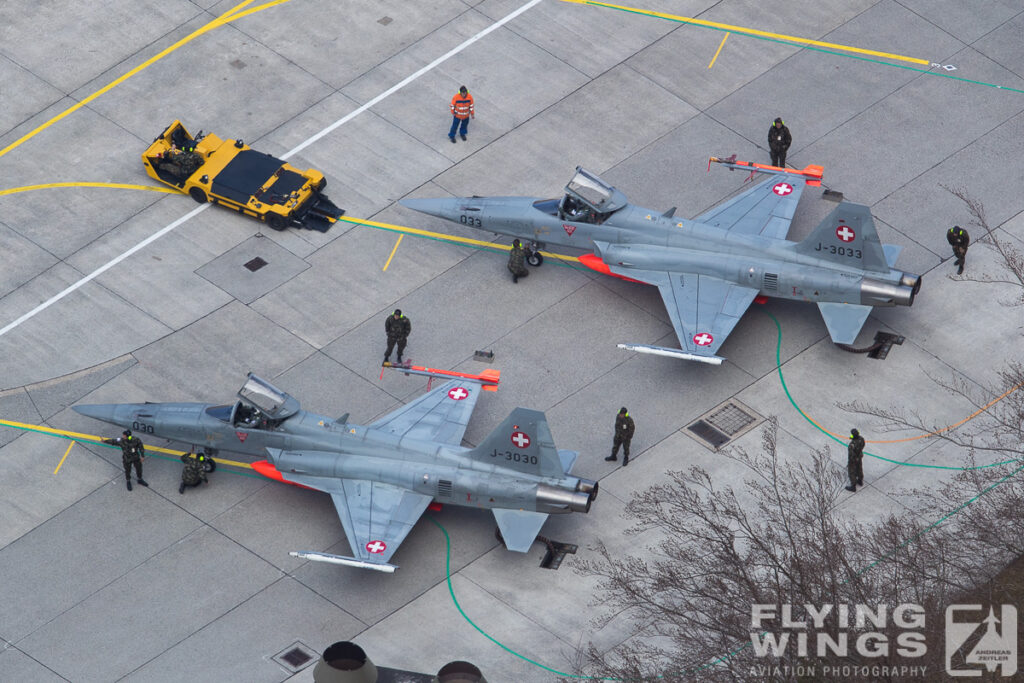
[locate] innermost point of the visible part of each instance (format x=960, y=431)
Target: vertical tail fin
x=847, y=236
x=522, y=443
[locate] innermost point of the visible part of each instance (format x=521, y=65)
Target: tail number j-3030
x=512, y=456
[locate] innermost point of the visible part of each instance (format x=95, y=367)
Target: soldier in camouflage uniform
x=855, y=460
x=624, y=428
x=194, y=471
x=132, y=453
x=397, y=327
x=517, y=261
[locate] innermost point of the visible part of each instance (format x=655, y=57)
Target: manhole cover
x=723, y=423
x=255, y=264
x=296, y=657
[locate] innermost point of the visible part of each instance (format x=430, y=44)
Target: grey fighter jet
x=709, y=269
x=382, y=476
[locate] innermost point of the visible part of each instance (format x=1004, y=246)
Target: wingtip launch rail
x=488, y=379
x=812, y=173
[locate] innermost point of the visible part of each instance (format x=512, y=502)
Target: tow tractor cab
x=588, y=199
x=230, y=173
x=261, y=405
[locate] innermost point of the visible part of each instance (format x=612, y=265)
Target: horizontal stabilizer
x=338, y=559
x=843, y=320
x=671, y=353
x=519, y=528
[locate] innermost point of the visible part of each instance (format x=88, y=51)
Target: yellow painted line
x=393, y=250
x=720, y=46
x=752, y=32
x=229, y=16
x=116, y=186
x=444, y=237
x=77, y=436
x=70, y=446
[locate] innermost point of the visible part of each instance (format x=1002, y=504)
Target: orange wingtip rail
x=812, y=172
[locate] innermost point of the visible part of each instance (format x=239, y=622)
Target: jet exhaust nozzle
x=555, y=500
x=912, y=281
x=878, y=293
x=588, y=486
x=459, y=672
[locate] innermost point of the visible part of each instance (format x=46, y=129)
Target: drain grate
x=255, y=264
x=723, y=423
x=295, y=657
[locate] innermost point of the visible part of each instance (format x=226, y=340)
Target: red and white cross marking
x=845, y=233
x=782, y=189
x=520, y=439
x=702, y=339
x=376, y=547
x=457, y=394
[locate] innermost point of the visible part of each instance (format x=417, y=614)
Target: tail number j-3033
x=512, y=456
x=839, y=251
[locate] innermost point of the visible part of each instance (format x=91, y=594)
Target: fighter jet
x=708, y=269
x=382, y=476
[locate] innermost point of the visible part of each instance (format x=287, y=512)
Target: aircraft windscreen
x=268, y=398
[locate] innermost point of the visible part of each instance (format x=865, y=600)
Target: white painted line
x=345, y=119
x=409, y=79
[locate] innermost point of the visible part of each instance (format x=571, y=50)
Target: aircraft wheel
x=535, y=258
x=209, y=465
x=275, y=221
x=198, y=195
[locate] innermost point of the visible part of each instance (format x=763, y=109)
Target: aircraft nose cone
x=442, y=207
x=98, y=411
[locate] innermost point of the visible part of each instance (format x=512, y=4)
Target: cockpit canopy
x=271, y=401
x=594, y=192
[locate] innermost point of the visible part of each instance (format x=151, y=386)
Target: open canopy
x=594, y=192
x=263, y=395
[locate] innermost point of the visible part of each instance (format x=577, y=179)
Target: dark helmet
x=463, y=89
x=398, y=312
x=515, y=243
x=956, y=230
x=200, y=457
x=854, y=433
x=623, y=411
x=779, y=121
x=127, y=433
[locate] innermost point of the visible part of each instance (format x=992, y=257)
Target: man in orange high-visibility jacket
x=462, y=111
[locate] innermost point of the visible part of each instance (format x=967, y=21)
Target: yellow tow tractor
x=230, y=173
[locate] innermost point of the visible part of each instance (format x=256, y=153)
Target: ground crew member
x=624, y=428
x=397, y=327
x=462, y=111
x=958, y=239
x=779, y=141
x=517, y=261
x=855, y=460
x=194, y=471
x=132, y=453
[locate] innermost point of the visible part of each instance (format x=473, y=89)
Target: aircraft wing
x=376, y=517
x=766, y=209
x=703, y=310
x=438, y=415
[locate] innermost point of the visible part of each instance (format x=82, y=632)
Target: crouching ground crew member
x=397, y=327
x=132, y=453
x=959, y=240
x=194, y=471
x=855, y=460
x=517, y=261
x=624, y=428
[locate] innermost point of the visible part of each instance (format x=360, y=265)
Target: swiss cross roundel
x=376, y=547
x=457, y=394
x=845, y=233
x=520, y=439
x=782, y=189
x=702, y=339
